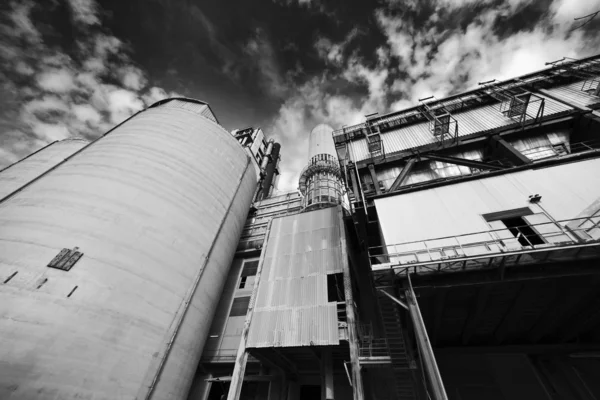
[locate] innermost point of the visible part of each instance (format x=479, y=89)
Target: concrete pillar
x=293, y=391
x=275, y=388
x=326, y=374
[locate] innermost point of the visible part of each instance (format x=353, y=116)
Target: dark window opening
x=522, y=231
x=335, y=288
x=240, y=306
x=310, y=392
x=250, y=268
x=242, y=282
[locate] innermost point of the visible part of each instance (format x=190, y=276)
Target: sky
x=76, y=68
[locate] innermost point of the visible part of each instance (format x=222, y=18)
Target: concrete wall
x=155, y=206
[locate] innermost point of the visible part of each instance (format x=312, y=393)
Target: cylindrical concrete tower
x=156, y=207
x=22, y=172
x=320, y=181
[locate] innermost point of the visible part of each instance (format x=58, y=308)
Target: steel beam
x=374, y=178
x=502, y=147
x=427, y=356
x=394, y=299
x=463, y=161
x=401, y=178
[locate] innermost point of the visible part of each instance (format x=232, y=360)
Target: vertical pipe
x=239, y=369
x=427, y=356
x=357, y=383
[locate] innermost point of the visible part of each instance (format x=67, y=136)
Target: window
x=335, y=288
x=240, y=306
x=516, y=222
x=522, y=231
x=250, y=269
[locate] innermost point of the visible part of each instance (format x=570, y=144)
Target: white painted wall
x=456, y=209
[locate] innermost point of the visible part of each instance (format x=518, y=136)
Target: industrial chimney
x=320, y=181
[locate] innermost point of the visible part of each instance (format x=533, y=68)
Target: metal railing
x=374, y=347
x=530, y=242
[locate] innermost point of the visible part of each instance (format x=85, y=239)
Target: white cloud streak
x=64, y=97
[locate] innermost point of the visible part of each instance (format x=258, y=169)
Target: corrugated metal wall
x=291, y=306
x=574, y=94
x=469, y=122
x=456, y=209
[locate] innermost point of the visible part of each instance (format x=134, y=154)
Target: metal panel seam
x=8, y=196
x=190, y=294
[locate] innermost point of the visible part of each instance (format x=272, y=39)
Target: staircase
x=390, y=314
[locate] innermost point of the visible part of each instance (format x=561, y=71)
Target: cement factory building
x=446, y=251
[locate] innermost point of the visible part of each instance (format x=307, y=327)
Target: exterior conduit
x=178, y=320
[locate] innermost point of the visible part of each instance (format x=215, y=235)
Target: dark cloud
x=77, y=67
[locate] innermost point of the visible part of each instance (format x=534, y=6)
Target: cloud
x=262, y=55
x=62, y=94
x=56, y=81
x=84, y=12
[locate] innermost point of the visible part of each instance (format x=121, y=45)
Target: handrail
x=514, y=238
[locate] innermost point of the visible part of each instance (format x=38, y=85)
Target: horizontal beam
x=504, y=149
x=247, y=378
x=273, y=360
x=463, y=161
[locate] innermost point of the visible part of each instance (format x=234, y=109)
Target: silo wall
x=157, y=206
x=24, y=171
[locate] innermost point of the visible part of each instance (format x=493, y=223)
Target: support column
x=326, y=374
x=427, y=356
x=374, y=178
x=357, y=383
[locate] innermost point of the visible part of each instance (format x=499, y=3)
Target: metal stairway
x=390, y=314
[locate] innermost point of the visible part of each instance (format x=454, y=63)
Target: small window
x=517, y=225
x=335, y=288
x=522, y=231
x=250, y=268
x=243, y=282
x=240, y=306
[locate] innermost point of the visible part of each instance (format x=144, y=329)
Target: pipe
x=427, y=355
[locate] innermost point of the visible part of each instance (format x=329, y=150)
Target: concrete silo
x=156, y=207
x=22, y=172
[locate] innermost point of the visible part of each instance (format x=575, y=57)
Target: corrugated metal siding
x=291, y=303
x=573, y=94
x=469, y=122
x=202, y=109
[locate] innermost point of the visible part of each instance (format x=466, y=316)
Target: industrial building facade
x=445, y=251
